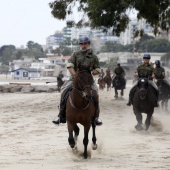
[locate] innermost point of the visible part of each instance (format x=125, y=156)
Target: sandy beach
x=29, y=140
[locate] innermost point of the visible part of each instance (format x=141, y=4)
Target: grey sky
x=24, y=20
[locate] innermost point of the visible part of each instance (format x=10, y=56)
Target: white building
x=48, y=65
x=127, y=37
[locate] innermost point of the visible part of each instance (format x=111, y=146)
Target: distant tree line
x=145, y=44
x=9, y=53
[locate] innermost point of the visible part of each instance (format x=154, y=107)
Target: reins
x=81, y=93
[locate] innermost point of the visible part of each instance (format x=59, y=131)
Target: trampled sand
x=29, y=140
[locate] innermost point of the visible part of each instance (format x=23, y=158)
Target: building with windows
x=127, y=37
x=25, y=73
x=53, y=41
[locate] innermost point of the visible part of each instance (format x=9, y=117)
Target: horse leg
x=76, y=132
x=162, y=104
x=116, y=93
x=71, y=138
x=86, y=140
x=166, y=104
x=139, y=126
x=94, y=145
x=121, y=92
x=147, y=121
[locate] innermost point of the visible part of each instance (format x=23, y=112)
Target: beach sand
x=29, y=140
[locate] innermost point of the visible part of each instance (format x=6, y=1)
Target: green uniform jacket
x=85, y=58
x=145, y=70
x=159, y=72
x=119, y=71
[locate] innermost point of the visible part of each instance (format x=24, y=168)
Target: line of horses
x=117, y=82
x=80, y=107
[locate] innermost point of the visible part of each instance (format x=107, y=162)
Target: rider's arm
x=96, y=68
x=72, y=71
x=95, y=72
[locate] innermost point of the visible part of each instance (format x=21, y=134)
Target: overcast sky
x=24, y=20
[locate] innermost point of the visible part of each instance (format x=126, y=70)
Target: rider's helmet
x=157, y=62
x=146, y=56
x=84, y=40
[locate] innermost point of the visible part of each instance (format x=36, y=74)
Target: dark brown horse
x=80, y=108
x=60, y=82
x=164, y=93
x=118, y=84
x=108, y=80
x=143, y=102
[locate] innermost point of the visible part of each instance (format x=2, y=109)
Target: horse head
x=118, y=82
x=143, y=87
x=83, y=81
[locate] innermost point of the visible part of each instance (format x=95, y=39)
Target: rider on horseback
x=85, y=56
x=145, y=71
x=159, y=73
x=119, y=71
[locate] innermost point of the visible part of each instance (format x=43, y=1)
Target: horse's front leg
x=86, y=140
x=116, y=93
x=76, y=132
x=139, y=126
x=94, y=145
x=71, y=138
x=121, y=92
x=166, y=105
x=148, y=120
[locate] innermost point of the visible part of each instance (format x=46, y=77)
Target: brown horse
x=80, y=108
x=108, y=79
x=101, y=83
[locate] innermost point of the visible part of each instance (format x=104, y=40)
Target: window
x=17, y=73
x=25, y=74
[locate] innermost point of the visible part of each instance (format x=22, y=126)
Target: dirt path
x=29, y=140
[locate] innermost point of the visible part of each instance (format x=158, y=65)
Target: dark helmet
x=157, y=62
x=118, y=64
x=146, y=56
x=84, y=40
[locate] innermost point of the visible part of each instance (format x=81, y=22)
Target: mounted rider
x=101, y=73
x=145, y=70
x=119, y=71
x=61, y=75
x=159, y=73
x=85, y=56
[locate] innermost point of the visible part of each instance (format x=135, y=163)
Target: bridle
x=142, y=89
x=81, y=93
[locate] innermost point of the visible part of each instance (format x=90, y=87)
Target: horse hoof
x=94, y=146
x=75, y=148
x=72, y=146
x=85, y=156
x=139, y=127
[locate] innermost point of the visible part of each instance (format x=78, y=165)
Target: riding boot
x=97, y=121
x=62, y=114
x=129, y=101
x=156, y=101
x=131, y=93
